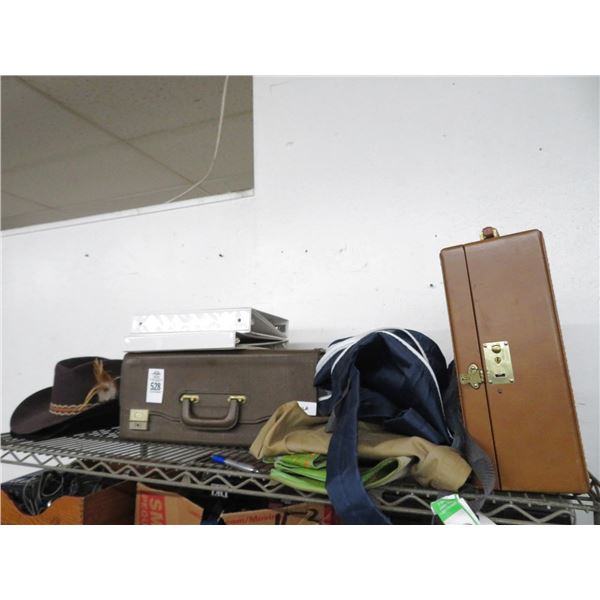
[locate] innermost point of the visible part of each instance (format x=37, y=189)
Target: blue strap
x=344, y=486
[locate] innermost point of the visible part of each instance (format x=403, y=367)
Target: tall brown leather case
x=211, y=397
x=501, y=306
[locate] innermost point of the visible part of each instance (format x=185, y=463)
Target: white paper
x=155, y=386
x=310, y=408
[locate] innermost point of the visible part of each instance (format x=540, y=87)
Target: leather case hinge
x=473, y=377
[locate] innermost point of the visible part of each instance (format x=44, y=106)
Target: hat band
x=69, y=409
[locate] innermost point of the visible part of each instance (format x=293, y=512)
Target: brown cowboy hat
x=84, y=396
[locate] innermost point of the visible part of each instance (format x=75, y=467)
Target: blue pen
x=233, y=463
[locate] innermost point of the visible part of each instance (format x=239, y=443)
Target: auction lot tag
x=155, y=387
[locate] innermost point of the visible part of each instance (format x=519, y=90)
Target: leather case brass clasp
x=498, y=363
x=138, y=419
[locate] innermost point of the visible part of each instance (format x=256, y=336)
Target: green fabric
x=385, y=471
x=308, y=460
x=299, y=483
x=308, y=472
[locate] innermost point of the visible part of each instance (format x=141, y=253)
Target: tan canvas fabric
x=290, y=430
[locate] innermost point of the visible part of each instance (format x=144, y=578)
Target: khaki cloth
x=290, y=430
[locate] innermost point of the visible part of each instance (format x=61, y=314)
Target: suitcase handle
x=489, y=233
x=229, y=421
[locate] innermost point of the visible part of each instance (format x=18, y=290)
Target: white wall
x=359, y=184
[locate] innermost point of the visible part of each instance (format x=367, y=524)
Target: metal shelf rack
x=103, y=453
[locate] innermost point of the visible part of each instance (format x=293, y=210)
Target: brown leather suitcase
x=514, y=384
x=211, y=397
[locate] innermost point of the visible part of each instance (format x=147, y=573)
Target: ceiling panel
x=98, y=174
x=77, y=146
x=136, y=201
x=130, y=107
x=185, y=149
x=231, y=183
x=13, y=205
x=38, y=217
x=35, y=129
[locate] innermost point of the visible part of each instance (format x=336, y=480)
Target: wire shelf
x=103, y=453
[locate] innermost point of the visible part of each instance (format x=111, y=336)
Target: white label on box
x=219, y=493
x=310, y=408
x=156, y=385
x=454, y=510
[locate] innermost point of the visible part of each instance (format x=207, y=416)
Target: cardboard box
x=265, y=516
x=114, y=505
x=305, y=513
x=308, y=513
x=165, y=507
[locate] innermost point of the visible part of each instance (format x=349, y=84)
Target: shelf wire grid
x=104, y=453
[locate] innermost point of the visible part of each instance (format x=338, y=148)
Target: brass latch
x=498, y=363
x=138, y=419
x=189, y=397
x=474, y=377
x=196, y=398
x=240, y=399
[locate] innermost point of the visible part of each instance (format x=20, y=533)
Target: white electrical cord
x=215, y=153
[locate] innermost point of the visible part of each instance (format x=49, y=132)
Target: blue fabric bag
x=395, y=377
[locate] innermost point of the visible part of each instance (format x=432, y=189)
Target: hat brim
x=32, y=418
